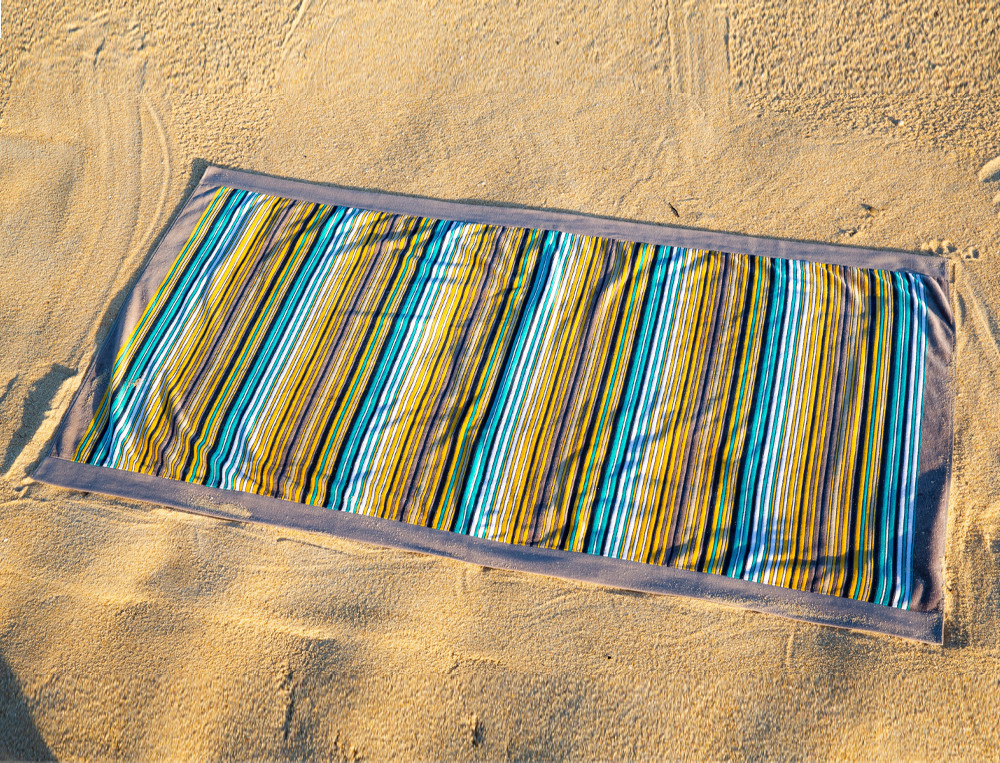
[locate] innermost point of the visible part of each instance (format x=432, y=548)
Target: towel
x=760, y=422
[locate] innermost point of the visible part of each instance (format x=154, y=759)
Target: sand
x=132, y=631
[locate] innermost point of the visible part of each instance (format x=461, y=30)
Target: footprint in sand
x=990, y=171
x=938, y=246
x=946, y=247
x=868, y=212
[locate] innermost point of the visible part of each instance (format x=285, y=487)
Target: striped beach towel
x=765, y=423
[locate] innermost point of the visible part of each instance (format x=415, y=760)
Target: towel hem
x=240, y=506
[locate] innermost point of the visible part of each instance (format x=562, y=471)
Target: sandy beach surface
x=132, y=631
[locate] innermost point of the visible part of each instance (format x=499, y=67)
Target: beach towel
x=759, y=422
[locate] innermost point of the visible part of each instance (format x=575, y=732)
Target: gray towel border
x=925, y=625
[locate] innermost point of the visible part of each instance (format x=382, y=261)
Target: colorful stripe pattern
x=730, y=414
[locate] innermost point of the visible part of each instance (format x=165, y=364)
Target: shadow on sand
x=19, y=739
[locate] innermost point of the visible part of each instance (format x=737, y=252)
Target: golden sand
x=131, y=631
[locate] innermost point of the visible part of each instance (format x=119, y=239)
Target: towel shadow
x=45, y=388
x=19, y=739
x=35, y=407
